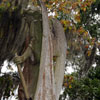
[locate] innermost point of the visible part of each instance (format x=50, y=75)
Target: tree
x=86, y=87
x=21, y=25
x=43, y=42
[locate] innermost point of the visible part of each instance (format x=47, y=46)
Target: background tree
x=86, y=88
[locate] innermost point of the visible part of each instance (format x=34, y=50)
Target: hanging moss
x=14, y=29
x=10, y=24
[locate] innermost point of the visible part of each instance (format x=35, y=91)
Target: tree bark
x=60, y=47
x=43, y=82
x=46, y=87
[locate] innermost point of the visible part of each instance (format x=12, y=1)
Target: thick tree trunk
x=43, y=82
x=46, y=87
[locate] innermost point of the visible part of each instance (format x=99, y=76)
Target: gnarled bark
x=42, y=81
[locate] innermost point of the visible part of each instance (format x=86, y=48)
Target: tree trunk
x=59, y=44
x=44, y=82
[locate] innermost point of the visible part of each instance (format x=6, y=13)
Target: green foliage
x=89, y=21
x=96, y=7
x=7, y=85
x=87, y=88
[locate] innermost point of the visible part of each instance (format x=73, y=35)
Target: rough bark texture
x=18, y=30
x=31, y=65
x=45, y=86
